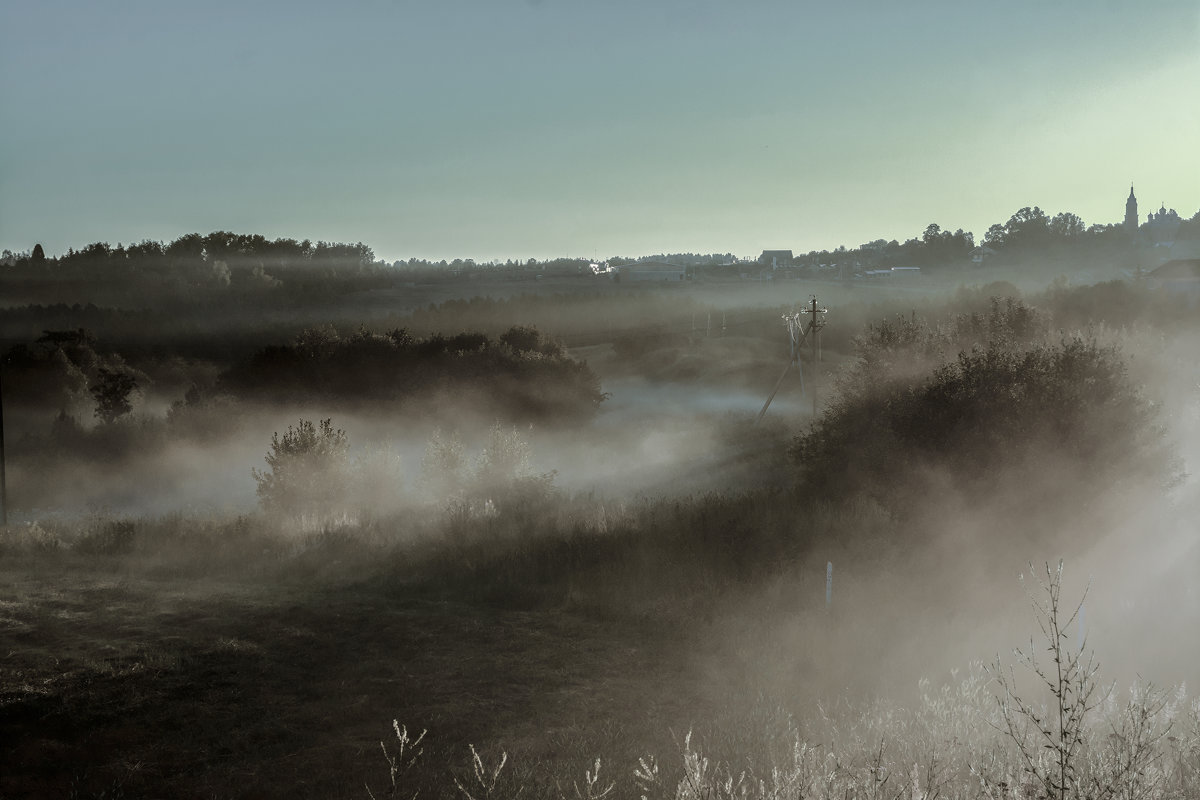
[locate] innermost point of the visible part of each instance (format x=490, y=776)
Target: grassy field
x=201, y=687
x=251, y=662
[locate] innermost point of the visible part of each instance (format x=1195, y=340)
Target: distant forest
x=225, y=267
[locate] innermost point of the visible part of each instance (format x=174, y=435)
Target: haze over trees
x=497, y=513
x=223, y=267
x=987, y=406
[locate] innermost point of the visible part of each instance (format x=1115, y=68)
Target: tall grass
x=978, y=736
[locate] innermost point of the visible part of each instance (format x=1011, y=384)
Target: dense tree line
x=1030, y=233
x=193, y=270
x=237, y=265
x=66, y=371
x=521, y=375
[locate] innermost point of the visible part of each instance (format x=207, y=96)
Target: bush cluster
x=522, y=375
x=1008, y=405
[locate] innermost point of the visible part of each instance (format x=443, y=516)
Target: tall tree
x=111, y=391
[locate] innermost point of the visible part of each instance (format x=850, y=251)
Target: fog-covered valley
x=966, y=436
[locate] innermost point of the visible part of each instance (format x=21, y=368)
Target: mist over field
x=595, y=465
x=586, y=401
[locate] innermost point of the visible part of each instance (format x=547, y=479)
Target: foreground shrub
x=307, y=474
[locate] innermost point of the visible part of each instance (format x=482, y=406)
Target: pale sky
x=520, y=128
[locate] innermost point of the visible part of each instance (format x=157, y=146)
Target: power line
x=799, y=330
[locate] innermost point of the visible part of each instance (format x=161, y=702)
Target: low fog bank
x=949, y=576
x=954, y=448
x=675, y=418
x=653, y=441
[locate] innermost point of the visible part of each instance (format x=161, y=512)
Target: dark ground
x=125, y=686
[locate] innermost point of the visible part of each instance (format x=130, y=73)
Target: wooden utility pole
x=798, y=330
x=815, y=324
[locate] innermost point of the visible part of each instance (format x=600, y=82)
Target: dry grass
x=952, y=744
x=191, y=659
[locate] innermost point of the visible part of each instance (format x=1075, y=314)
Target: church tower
x=1131, y=217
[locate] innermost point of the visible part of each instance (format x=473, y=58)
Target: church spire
x=1131, y=215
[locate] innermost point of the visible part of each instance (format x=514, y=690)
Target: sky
x=496, y=129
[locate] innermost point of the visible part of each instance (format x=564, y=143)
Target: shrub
x=1037, y=414
x=501, y=480
x=1061, y=752
x=444, y=465
x=112, y=537
x=527, y=339
x=504, y=458
x=307, y=472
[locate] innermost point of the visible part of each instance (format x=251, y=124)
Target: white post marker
x=828, y=584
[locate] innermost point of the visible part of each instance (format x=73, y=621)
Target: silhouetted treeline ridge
x=521, y=375
x=236, y=264
x=231, y=249
x=195, y=269
x=1030, y=234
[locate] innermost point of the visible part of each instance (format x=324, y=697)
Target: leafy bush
x=523, y=376
x=501, y=480
x=308, y=471
x=444, y=465
x=1011, y=408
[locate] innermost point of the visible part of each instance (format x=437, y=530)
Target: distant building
x=776, y=259
x=1131, y=215
x=1179, y=276
x=1160, y=227
x=650, y=271
x=982, y=253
